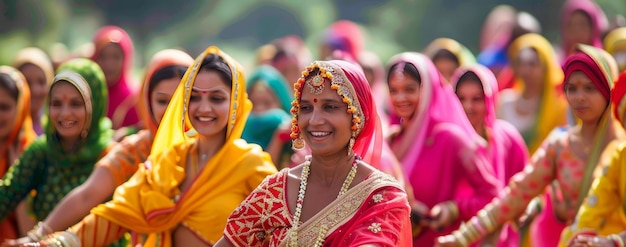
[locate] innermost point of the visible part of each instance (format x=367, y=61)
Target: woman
x=565, y=163
x=163, y=75
x=16, y=130
x=338, y=198
x=114, y=53
x=582, y=22
x=198, y=171
x=435, y=130
x=271, y=101
x=602, y=213
x=77, y=135
x=615, y=44
x=448, y=55
x=477, y=89
x=534, y=105
x=36, y=67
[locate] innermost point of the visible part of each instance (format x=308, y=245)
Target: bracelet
x=40, y=231
x=488, y=222
x=617, y=240
x=479, y=226
x=460, y=239
x=63, y=239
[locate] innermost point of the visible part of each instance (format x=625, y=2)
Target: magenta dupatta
x=439, y=149
x=599, y=22
x=123, y=94
x=506, y=148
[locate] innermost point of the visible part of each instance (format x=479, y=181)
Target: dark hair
x=445, y=54
x=167, y=72
x=7, y=83
x=215, y=63
x=409, y=69
x=468, y=77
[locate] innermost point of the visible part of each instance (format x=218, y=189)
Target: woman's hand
x=16, y=242
x=446, y=241
x=588, y=241
x=442, y=216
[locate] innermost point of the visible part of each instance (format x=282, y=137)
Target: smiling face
x=404, y=92
x=472, y=97
x=584, y=98
x=67, y=110
x=8, y=111
x=209, y=104
x=263, y=99
x=161, y=96
x=324, y=121
x=38, y=86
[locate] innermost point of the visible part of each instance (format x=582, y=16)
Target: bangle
x=479, y=226
x=460, y=239
x=617, y=240
x=485, y=218
x=40, y=231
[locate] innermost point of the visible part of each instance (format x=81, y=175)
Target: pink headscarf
x=346, y=36
x=437, y=104
x=369, y=140
x=124, y=88
x=507, y=151
x=599, y=22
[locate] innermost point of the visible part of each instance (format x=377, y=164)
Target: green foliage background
x=240, y=26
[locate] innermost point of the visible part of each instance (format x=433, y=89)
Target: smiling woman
x=77, y=135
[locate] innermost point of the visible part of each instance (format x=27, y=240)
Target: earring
x=298, y=143
x=350, y=146
x=84, y=133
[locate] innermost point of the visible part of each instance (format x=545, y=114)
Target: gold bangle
x=468, y=231
x=617, y=239
x=485, y=218
x=460, y=239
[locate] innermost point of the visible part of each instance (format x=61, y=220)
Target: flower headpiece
x=315, y=83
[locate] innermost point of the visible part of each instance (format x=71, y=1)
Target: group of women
x=437, y=150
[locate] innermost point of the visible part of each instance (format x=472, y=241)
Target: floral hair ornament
x=340, y=84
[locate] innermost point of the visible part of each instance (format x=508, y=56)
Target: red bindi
x=314, y=100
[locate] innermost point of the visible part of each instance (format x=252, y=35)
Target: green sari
x=45, y=167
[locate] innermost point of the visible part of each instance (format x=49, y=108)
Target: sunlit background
x=241, y=26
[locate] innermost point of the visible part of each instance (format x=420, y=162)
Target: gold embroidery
x=375, y=227
x=377, y=198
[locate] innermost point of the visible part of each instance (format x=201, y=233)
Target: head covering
x=599, y=22
x=22, y=133
x=618, y=99
x=461, y=52
x=121, y=103
x=552, y=112
x=260, y=127
x=160, y=60
x=489, y=85
x=437, y=104
x=37, y=57
x=345, y=36
x=349, y=81
x=87, y=77
x=147, y=202
x=615, y=44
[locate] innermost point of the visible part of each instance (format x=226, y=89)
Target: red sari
x=374, y=211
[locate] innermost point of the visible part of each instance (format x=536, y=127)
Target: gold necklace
x=293, y=234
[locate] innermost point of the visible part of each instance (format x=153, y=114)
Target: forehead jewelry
x=316, y=84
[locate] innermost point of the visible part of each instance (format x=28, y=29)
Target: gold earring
x=84, y=133
x=298, y=143
x=350, y=146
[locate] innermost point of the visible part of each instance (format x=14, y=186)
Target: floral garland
x=338, y=83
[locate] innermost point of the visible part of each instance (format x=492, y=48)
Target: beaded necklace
x=293, y=234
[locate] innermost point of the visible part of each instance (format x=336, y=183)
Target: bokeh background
x=241, y=26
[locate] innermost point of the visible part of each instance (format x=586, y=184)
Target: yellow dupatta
x=151, y=202
x=553, y=107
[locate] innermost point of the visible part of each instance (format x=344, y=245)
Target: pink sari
x=599, y=23
x=123, y=95
x=439, y=148
x=506, y=149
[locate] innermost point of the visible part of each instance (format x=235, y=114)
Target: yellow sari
x=151, y=202
x=553, y=107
